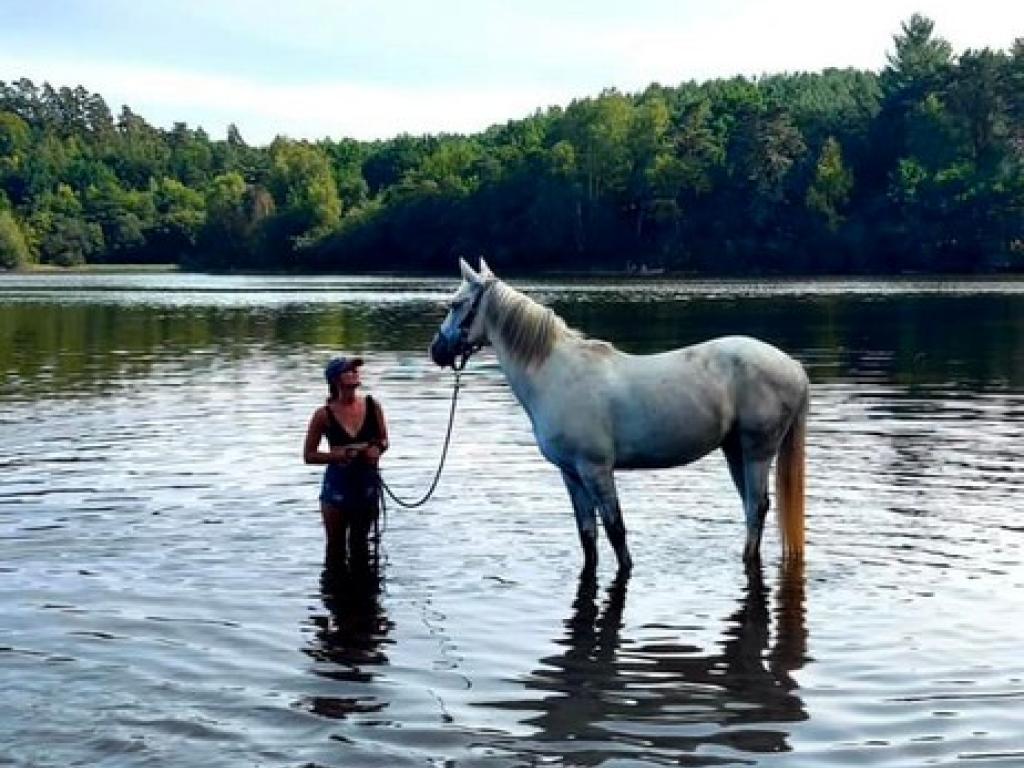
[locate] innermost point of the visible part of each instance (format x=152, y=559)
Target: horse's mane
x=527, y=329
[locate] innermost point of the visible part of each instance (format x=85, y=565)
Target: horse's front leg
x=600, y=482
x=586, y=518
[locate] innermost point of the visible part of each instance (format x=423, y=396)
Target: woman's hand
x=343, y=455
x=373, y=452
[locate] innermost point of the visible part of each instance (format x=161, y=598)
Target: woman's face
x=349, y=379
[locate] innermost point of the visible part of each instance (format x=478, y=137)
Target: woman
x=356, y=436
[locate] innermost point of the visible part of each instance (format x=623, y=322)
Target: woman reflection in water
x=356, y=435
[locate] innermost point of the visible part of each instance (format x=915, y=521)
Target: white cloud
x=262, y=110
x=754, y=38
x=367, y=70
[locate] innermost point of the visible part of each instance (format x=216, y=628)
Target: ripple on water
x=162, y=601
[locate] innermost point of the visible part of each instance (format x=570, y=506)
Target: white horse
x=595, y=409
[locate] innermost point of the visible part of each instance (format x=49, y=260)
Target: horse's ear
x=485, y=271
x=467, y=272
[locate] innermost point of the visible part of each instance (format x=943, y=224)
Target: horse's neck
x=523, y=377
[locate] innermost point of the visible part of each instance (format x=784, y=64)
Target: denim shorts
x=351, y=486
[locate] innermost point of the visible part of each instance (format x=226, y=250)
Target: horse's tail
x=789, y=486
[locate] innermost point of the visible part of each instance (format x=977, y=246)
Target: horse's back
x=736, y=363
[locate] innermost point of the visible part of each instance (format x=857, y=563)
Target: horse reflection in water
x=349, y=640
x=662, y=701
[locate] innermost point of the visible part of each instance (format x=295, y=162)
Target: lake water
x=161, y=595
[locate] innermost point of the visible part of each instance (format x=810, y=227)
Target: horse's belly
x=663, y=454
x=659, y=427
x=652, y=463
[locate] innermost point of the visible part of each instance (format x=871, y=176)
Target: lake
x=162, y=600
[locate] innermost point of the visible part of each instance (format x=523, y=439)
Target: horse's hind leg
x=734, y=457
x=601, y=485
x=586, y=518
x=750, y=476
x=755, y=503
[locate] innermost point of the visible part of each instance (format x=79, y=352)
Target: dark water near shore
x=161, y=595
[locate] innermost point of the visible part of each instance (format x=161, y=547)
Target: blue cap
x=339, y=365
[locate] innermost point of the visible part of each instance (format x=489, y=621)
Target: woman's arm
x=378, y=446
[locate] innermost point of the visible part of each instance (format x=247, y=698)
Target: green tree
x=15, y=145
x=236, y=214
x=451, y=167
x=70, y=242
x=830, y=189
x=347, y=157
x=13, y=248
x=59, y=232
x=919, y=61
x=124, y=216
x=305, y=194
x=180, y=217
x=684, y=174
x=139, y=152
x=765, y=146
x=598, y=130
x=978, y=102
x=388, y=162
x=191, y=155
x=227, y=232
x=648, y=139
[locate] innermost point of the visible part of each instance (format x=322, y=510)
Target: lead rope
x=437, y=475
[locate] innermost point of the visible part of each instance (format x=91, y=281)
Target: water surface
x=162, y=600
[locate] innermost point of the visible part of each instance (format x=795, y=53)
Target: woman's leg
x=362, y=527
x=335, y=528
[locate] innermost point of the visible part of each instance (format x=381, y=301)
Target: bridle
x=462, y=347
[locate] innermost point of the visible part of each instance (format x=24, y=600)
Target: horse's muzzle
x=441, y=352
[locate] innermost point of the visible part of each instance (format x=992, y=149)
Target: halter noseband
x=462, y=346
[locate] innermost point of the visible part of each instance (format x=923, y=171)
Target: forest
x=917, y=168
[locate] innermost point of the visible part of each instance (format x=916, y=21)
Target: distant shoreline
x=90, y=268
x=97, y=268
x=600, y=274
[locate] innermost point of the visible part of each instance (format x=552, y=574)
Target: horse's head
x=463, y=331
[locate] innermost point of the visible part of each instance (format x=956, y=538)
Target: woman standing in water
x=356, y=435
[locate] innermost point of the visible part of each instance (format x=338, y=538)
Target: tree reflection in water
x=349, y=641
x=615, y=697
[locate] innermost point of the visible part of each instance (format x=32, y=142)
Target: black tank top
x=369, y=431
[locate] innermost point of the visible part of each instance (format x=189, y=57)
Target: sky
x=369, y=69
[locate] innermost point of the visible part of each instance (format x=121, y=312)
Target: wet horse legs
x=586, y=518
x=600, y=484
x=750, y=476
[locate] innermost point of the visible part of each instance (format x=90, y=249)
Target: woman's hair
x=333, y=392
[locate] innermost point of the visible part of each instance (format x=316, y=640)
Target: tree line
x=919, y=167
